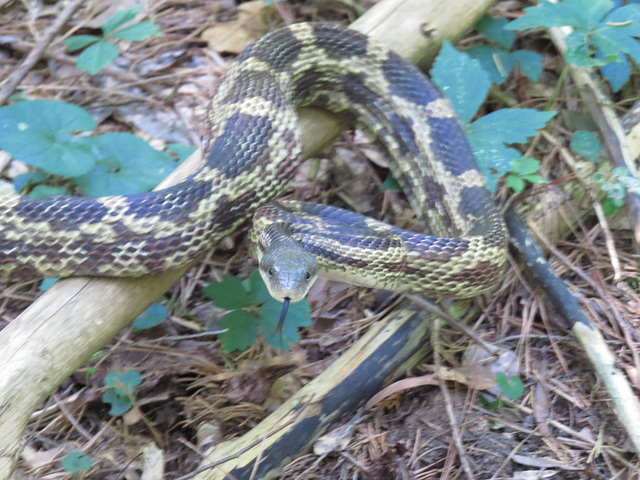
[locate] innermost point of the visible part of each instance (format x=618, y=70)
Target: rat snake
x=253, y=148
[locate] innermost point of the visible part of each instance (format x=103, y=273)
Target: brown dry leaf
x=38, y=458
x=234, y=35
x=479, y=369
x=401, y=386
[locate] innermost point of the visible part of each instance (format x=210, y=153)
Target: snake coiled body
x=253, y=148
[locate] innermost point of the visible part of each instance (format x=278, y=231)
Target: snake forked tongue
x=283, y=314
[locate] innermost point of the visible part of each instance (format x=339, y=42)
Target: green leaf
x=529, y=63
x=125, y=164
x=120, y=18
x=77, y=461
x=494, y=61
x=493, y=29
x=125, y=383
x=96, y=57
x=28, y=179
x=298, y=315
x=575, y=13
x=510, y=125
x=257, y=289
x=121, y=392
x=119, y=403
x=390, y=183
x=38, y=132
x=617, y=73
x=451, y=73
x=151, y=317
x=43, y=191
x=228, y=294
x=609, y=207
x=517, y=184
x=512, y=388
x=47, y=283
x=182, y=150
x=526, y=166
x=494, y=159
x=242, y=330
x=138, y=31
x=586, y=144
x=79, y=41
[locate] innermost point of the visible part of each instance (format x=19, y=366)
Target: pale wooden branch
x=75, y=318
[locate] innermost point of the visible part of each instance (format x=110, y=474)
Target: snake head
x=288, y=270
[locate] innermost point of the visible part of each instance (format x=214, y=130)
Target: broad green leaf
x=298, y=315
x=28, y=179
x=43, y=191
x=120, y=403
x=229, y=294
x=122, y=388
x=137, y=31
x=586, y=144
x=38, y=132
x=120, y=18
x=512, y=388
x=242, y=330
x=515, y=183
x=125, y=383
x=125, y=164
x=182, y=150
x=529, y=63
x=151, y=317
x=75, y=462
x=575, y=13
x=493, y=29
x=390, y=183
x=97, y=56
x=526, y=166
x=624, y=20
x=79, y=41
x=494, y=159
x=609, y=207
x=509, y=125
x=451, y=73
x=47, y=283
x=494, y=61
x=257, y=289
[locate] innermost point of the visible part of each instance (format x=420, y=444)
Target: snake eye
x=270, y=271
x=308, y=276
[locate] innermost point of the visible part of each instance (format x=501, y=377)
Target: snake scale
x=252, y=150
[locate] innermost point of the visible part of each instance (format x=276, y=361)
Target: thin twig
x=35, y=54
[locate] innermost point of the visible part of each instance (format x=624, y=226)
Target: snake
x=252, y=149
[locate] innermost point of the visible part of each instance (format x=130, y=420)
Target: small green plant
x=524, y=170
x=604, y=33
x=488, y=135
x=75, y=462
x=43, y=134
x=151, y=317
x=586, y=144
x=252, y=308
x=102, y=51
x=512, y=388
x=121, y=391
x=499, y=61
x=616, y=185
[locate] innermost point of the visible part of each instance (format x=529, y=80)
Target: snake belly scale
x=250, y=155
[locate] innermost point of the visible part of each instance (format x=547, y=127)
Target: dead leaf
x=233, y=36
x=401, y=386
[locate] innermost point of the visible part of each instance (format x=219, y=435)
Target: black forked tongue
x=283, y=315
